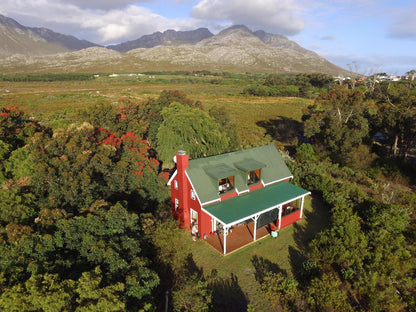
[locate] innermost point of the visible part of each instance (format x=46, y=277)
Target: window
x=193, y=194
x=176, y=204
x=226, y=185
x=253, y=177
x=176, y=184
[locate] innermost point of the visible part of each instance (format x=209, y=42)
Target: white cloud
x=276, y=16
x=404, y=25
x=101, y=4
x=93, y=22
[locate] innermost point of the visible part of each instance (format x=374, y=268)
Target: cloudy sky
x=368, y=36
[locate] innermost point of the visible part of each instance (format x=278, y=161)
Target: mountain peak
x=168, y=37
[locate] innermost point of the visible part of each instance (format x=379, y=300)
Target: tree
x=39, y=293
x=396, y=115
x=325, y=294
x=15, y=127
x=94, y=297
x=337, y=120
x=190, y=129
x=80, y=165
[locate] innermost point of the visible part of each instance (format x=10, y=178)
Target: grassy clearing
x=286, y=253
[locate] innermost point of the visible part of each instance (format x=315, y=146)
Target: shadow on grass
x=227, y=294
x=282, y=129
x=192, y=268
x=296, y=259
x=317, y=220
x=264, y=266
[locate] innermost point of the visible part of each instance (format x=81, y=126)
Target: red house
x=222, y=191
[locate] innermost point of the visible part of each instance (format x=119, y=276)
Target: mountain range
x=32, y=49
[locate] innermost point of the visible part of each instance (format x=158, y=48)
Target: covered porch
x=246, y=218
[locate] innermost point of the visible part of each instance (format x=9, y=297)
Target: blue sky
x=367, y=36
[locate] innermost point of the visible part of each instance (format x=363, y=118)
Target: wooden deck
x=240, y=236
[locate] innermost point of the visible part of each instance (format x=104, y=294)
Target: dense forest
x=85, y=223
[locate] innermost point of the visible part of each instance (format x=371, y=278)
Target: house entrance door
x=194, y=216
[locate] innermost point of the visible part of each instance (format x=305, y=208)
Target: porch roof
x=240, y=208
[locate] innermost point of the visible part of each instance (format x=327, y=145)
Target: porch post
x=225, y=239
x=280, y=216
x=255, y=226
x=301, y=207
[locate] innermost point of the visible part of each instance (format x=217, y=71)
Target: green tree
x=16, y=206
x=337, y=120
x=396, y=115
x=39, y=293
x=325, y=294
x=280, y=290
x=94, y=297
x=193, y=295
x=80, y=165
x=190, y=129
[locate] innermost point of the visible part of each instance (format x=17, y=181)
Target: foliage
x=336, y=120
x=39, y=293
x=82, y=164
x=93, y=297
x=23, y=203
x=396, y=115
x=193, y=295
x=15, y=127
x=47, y=77
x=191, y=130
x=301, y=85
x=325, y=295
x=305, y=153
x=280, y=290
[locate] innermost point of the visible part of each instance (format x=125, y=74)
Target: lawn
x=286, y=253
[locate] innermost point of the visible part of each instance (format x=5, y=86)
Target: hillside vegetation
x=85, y=222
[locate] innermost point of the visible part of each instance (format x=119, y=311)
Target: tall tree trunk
x=396, y=141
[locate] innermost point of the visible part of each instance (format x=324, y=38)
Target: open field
x=54, y=103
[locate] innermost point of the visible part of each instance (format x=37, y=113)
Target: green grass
x=286, y=253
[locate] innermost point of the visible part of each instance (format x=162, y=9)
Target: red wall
x=186, y=203
x=255, y=187
x=290, y=219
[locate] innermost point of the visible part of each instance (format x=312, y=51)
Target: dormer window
x=226, y=185
x=253, y=177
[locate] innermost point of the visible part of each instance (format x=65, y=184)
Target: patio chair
x=273, y=232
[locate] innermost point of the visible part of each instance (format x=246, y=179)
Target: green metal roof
x=240, y=208
x=248, y=165
x=204, y=173
x=221, y=171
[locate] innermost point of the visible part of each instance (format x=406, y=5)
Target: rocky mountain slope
x=234, y=49
x=18, y=39
x=168, y=37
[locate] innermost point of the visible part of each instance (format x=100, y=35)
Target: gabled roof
x=204, y=173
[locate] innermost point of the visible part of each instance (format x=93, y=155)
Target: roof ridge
x=223, y=155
